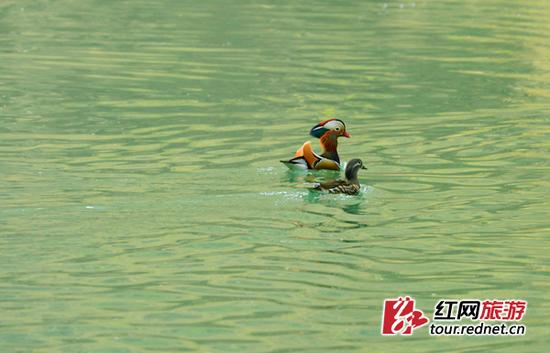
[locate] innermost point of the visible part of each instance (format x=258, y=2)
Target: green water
x=143, y=207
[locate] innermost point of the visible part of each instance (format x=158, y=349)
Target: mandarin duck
x=350, y=186
x=327, y=132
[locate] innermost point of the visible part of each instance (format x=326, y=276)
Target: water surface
x=143, y=207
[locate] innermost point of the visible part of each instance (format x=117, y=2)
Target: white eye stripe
x=318, y=128
x=333, y=125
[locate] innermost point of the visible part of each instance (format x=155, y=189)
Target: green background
x=143, y=207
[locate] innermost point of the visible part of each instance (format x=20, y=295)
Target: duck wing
x=306, y=158
x=346, y=188
x=328, y=185
x=338, y=187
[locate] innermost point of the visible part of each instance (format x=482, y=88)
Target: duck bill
x=346, y=134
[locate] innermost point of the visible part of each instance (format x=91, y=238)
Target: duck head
x=334, y=127
x=352, y=168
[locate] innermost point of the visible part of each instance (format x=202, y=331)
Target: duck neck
x=351, y=175
x=329, y=144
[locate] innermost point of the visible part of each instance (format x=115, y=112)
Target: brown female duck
x=350, y=186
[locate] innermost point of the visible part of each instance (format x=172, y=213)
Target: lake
x=143, y=206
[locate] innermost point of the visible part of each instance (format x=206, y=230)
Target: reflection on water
x=144, y=207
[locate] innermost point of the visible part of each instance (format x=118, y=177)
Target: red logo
x=508, y=310
x=400, y=317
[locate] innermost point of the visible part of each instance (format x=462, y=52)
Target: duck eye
x=337, y=129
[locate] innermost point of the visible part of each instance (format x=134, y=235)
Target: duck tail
x=296, y=163
x=316, y=186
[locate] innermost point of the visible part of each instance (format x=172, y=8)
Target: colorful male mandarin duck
x=350, y=186
x=328, y=132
